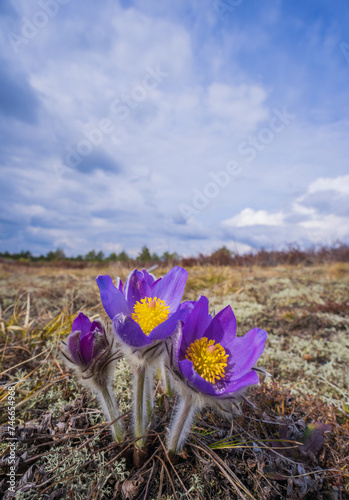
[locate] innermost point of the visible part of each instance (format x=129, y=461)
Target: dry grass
x=64, y=449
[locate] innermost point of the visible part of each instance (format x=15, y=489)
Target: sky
x=181, y=125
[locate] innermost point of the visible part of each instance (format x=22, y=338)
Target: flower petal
x=222, y=328
x=245, y=352
x=86, y=347
x=166, y=328
x=112, y=299
x=136, y=288
x=171, y=287
x=219, y=391
x=74, y=345
x=119, y=285
x=81, y=323
x=95, y=325
x=187, y=304
x=250, y=378
x=194, y=379
x=195, y=325
x=130, y=332
x=149, y=278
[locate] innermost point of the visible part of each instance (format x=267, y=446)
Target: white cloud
x=298, y=208
x=340, y=184
x=327, y=228
x=301, y=221
x=250, y=217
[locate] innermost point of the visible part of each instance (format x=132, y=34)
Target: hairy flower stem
x=148, y=397
x=181, y=424
x=166, y=380
x=110, y=408
x=142, y=405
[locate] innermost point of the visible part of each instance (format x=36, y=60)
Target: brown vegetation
x=294, y=444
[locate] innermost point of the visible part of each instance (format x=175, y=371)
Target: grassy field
x=294, y=444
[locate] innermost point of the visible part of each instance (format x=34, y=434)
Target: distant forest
x=292, y=255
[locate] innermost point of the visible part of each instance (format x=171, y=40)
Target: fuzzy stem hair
x=139, y=420
x=148, y=397
x=182, y=423
x=108, y=403
x=165, y=379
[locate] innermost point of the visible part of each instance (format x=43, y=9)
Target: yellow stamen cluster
x=150, y=312
x=209, y=359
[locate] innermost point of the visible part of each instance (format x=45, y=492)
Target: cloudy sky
x=183, y=125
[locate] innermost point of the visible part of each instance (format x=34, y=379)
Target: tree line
x=291, y=255
x=145, y=256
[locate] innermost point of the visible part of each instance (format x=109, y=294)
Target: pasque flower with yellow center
x=210, y=365
x=144, y=313
x=150, y=312
x=145, y=310
x=209, y=359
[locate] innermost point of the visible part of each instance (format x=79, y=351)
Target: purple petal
x=196, y=324
x=136, y=288
x=112, y=299
x=74, y=345
x=156, y=281
x=96, y=326
x=149, y=278
x=187, y=304
x=171, y=287
x=245, y=351
x=119, y=284
x=194, y=379
x=99, y=342
x=86, y=347
x=81, y=323
x=250, y=378
x=130, y=332
x=166, y=328
x=225, y=390
x=222, y=328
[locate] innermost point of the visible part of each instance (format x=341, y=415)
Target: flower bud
x=91, y=351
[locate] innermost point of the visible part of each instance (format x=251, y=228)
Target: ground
x=293, y=444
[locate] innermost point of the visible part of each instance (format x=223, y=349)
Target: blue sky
x=182, y=125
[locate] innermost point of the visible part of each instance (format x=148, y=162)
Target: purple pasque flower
x=145, y=309
x=90, y=349
x=144, y=313
x=86, y=340
x=92, y=352
x=210, y=366
x=209, y=357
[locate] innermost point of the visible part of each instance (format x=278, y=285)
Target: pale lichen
x=122, y=383
x=67, y=462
